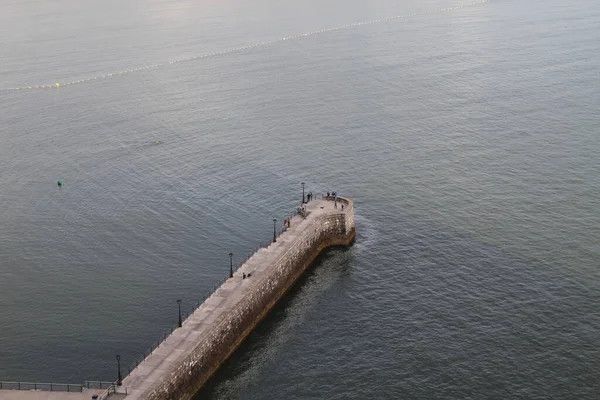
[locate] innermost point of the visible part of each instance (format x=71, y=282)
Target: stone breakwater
x=187, y=358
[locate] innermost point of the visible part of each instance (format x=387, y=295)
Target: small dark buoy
x=59, y=183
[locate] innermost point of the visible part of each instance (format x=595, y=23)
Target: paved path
x=183, y=340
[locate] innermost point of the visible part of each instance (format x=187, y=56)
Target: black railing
x=113, y=388
x=47, y=387
x=97, y=384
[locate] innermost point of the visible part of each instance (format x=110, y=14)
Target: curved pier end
x=188, y=357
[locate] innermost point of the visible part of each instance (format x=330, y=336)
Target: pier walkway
x=171, y=352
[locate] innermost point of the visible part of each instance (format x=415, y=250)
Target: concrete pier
x=191, y=354
x=187, y=358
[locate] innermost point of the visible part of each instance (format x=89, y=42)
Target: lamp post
x=179, y=306
x=302, y=183
x=274, y=234
x=119, y=378
x=231, y=265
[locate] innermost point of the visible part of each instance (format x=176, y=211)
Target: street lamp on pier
x=179, y=306
x=302, y=183
x=119, y=377
x=274, y=232
x=231, y=265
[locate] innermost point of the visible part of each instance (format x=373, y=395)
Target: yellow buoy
x=57, y=84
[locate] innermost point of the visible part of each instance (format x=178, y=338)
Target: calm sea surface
x=468, y=137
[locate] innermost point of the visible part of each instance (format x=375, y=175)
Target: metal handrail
x=111, y=387
x=106, y=393
x=48, y=387
x=97, y=384
x=114, y=388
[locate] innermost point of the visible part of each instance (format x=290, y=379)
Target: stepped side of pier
x=187, y=358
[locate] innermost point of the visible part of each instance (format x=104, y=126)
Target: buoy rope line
x=248, y=47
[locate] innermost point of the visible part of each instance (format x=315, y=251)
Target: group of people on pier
x=328, y=196
x=333, y=196
x=310, y=196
